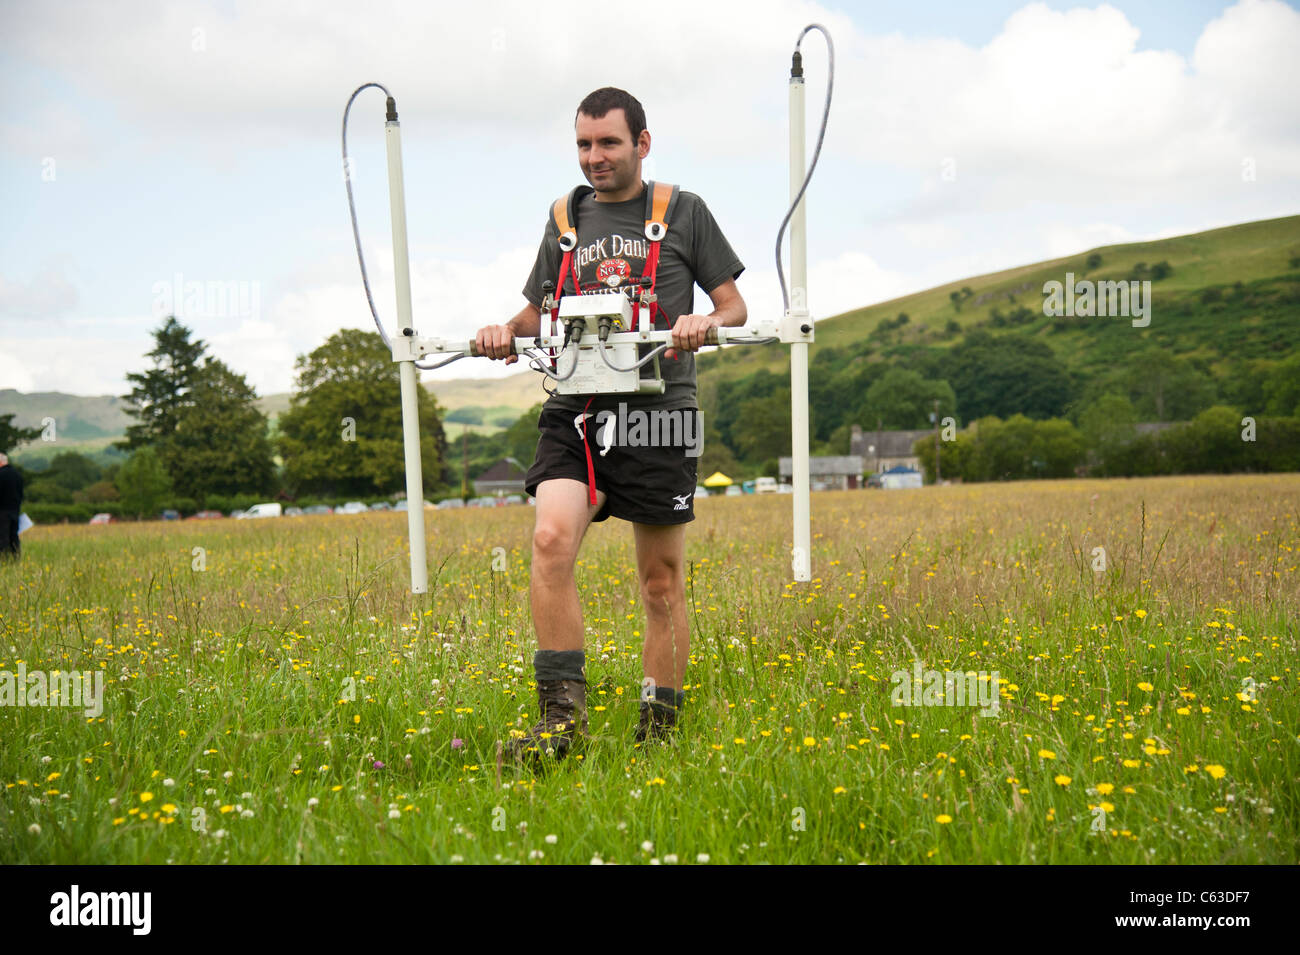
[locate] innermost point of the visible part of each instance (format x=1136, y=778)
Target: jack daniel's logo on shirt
x=611, y=247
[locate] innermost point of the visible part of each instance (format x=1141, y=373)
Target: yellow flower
x=1218, y=772
x=1105, y=789
x=1139, y=614
x=1107, y=807
x=1132, y=763
x=145, y=797
x=838, y=790
x=943, y=819
x=1062, y=780
x=1146, y=686
x=1046, y=754
x=810, y=741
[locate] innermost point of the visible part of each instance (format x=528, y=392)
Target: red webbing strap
x=651, y=269
x=591, y=468
x=565, y=265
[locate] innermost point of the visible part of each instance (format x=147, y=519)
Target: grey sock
x=561, y=665
x=670, y=697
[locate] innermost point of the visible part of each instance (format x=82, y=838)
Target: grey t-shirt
x=611, y=241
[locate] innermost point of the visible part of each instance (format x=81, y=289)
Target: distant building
x=899, y=477
x=843, y=473
x=504, y=477
x=882, y=450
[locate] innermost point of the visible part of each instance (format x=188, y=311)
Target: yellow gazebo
x=717, y=479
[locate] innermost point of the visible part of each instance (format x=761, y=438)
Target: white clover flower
x=647, y=846
x=209, y=792
x=219, y=834
x=536, y=854
x=702, y=858
x=34, y=829
x=394, y=814
x=246, y=814
x=313, y=802
x=670, y=859
x=458, y=858
x=552, y=839
x=227, y=774
x=597, y=860
x=45, y=759
x=169, y=782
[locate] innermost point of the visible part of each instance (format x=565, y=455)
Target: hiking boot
x=658, y=720
x=563, y=705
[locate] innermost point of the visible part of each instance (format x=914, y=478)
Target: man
x=11, y=506
x=651, y=487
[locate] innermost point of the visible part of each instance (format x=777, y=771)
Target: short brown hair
x=601, y=101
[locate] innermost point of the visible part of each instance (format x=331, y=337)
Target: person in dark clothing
x=11, y=505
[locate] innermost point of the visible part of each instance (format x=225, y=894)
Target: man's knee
x=662, y=587
x=555, y=547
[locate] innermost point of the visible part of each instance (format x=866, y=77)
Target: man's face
x=610, y=161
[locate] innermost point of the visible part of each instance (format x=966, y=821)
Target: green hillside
x=1230, y=293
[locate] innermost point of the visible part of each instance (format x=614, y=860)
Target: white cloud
x=14, y=373
x=1063, y=135
x=49, y=293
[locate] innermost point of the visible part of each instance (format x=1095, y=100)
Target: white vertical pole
x=801, y=556
x=406, y=369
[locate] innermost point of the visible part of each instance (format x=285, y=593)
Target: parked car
x=784, y=489
x=318, y=509
x=204, y=516
x=293, y=512
x=514, y=499
x=171, y=514
x=263, y=510
x=733, y=490
x=701, y=491
x=381, y=506
x=351, y=507
x=401, y=506
x=765, y=485
x=103, y=519
x=747, y=487
x=449, y=503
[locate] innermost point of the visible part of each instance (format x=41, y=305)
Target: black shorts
x=643, y=484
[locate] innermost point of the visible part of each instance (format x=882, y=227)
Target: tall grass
x=292, y=702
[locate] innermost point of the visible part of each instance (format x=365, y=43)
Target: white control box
x=593, y=375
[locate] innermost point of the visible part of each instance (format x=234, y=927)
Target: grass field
x=291, y=702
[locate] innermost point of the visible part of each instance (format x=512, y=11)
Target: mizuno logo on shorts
x=681, y=500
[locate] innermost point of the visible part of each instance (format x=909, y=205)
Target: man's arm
x=728, y=310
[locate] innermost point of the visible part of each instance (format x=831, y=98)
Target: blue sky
x=147, y=145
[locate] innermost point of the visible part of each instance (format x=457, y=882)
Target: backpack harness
x=660, y=202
